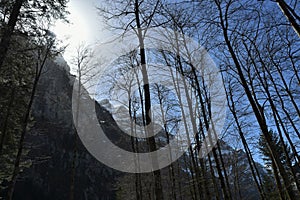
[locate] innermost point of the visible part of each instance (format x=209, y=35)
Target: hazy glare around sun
x=84, y=26
x=77, y=30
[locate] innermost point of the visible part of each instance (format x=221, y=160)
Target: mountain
x=239, y=172
x=51, y=144
x=51, y=140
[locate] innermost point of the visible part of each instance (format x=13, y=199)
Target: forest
x=188, y=99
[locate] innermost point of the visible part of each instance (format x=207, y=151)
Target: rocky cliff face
x=51, y=144
x=239, y=172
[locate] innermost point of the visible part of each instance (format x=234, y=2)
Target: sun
x=76, y=32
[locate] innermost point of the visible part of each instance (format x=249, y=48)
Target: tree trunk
x=16, y=168
x=257, y=109
x=9, y=29
x=285, y=9
x=251, y=161
x=150, y=140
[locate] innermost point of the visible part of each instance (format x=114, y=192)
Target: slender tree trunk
x=257, y=109
x=221, y=177
x=263, y=79
x=289, y=15
x=151, y=140
x=16, y=168
x=192, y=156
x=253, y=168
x=138, y=176
x=73, y=165
x=21, y=145
x=171, y=166
x=224, y=170
x=278, y=181
x=9, y=29
x=212, y=172
x=137, y=192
